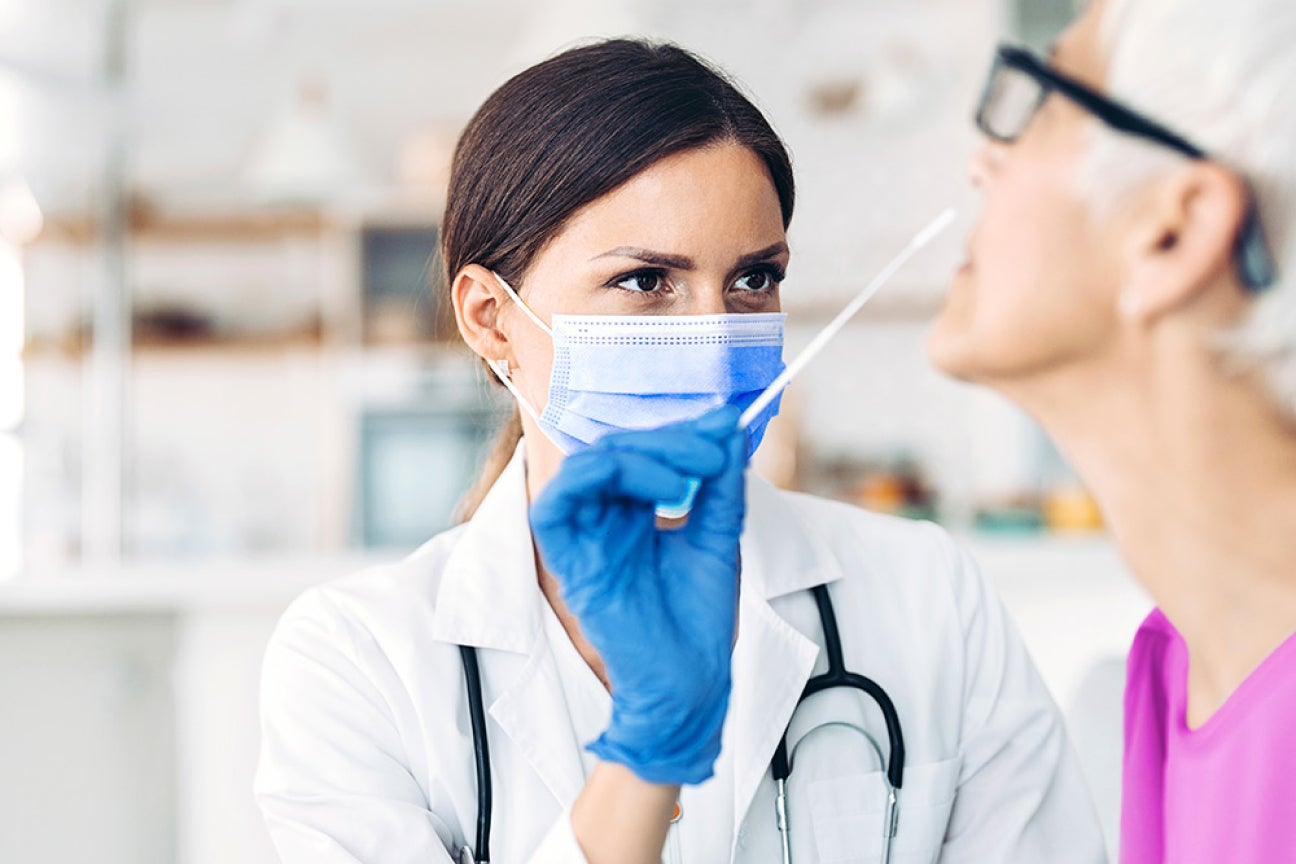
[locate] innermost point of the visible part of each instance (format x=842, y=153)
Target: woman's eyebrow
x=779, y=248
x=657, y=259
x=681, y=262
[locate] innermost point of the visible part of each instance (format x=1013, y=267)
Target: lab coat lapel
x=772, y=663
x=490, y=598
x=533, y=712
x=772, y=659
x=489, y=589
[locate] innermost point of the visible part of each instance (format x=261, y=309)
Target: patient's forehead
x=1078, y=51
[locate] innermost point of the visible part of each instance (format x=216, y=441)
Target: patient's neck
x=1195, y=471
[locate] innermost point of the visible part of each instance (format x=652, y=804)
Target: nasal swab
x=921, y=239
x=675, y=510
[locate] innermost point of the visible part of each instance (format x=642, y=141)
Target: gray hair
x=1222, y=73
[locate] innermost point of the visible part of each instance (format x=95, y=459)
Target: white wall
x=217, y=666
x=87, y=739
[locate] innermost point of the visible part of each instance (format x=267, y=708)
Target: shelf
x=303, y=342
x=271, y=344
x=247, y=227
x=894, y=303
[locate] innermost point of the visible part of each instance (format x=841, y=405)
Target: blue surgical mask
x=619, y=372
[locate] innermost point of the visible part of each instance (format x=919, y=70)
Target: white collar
x=489, y=587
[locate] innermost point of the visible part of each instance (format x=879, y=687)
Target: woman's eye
x=759, y=280
x=645, y=282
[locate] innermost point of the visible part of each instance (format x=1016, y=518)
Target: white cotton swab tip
x=939, y=224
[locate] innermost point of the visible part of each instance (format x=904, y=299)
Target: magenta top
x=1223, y=793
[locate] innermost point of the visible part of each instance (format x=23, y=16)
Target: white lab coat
x=367, y=751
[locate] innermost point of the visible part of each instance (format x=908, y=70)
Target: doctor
x=615, y=240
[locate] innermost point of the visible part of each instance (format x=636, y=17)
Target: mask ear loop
x=513, y=295
x=500, y=367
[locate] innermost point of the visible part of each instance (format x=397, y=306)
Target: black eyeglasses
x=1017, y=86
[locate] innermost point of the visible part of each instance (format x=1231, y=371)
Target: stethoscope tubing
x=481, y=754
x=780, y=767
x=838, y=676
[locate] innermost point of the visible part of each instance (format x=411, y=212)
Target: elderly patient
x=1132, y=283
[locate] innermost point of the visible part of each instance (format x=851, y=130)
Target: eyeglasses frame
x=1255, y=263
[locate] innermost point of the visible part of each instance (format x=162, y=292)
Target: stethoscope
x=781, y=766
x=838, y=676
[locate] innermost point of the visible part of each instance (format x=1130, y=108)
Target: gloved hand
x=658, y=605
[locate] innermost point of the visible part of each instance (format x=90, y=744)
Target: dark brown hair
x=566, y=132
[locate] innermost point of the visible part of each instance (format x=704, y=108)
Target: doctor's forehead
x=694, y=204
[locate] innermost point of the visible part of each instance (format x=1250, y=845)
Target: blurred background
x=226, y=372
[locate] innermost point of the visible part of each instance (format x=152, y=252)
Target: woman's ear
x=1183, y=239
x=478, y=299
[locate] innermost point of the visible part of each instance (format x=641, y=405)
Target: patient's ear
x=477, y=299
x=1181, y=246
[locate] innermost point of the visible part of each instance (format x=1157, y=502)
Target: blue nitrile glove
x=658, y=605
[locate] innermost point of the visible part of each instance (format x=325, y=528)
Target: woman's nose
x=709, y=301
x=983, y=162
